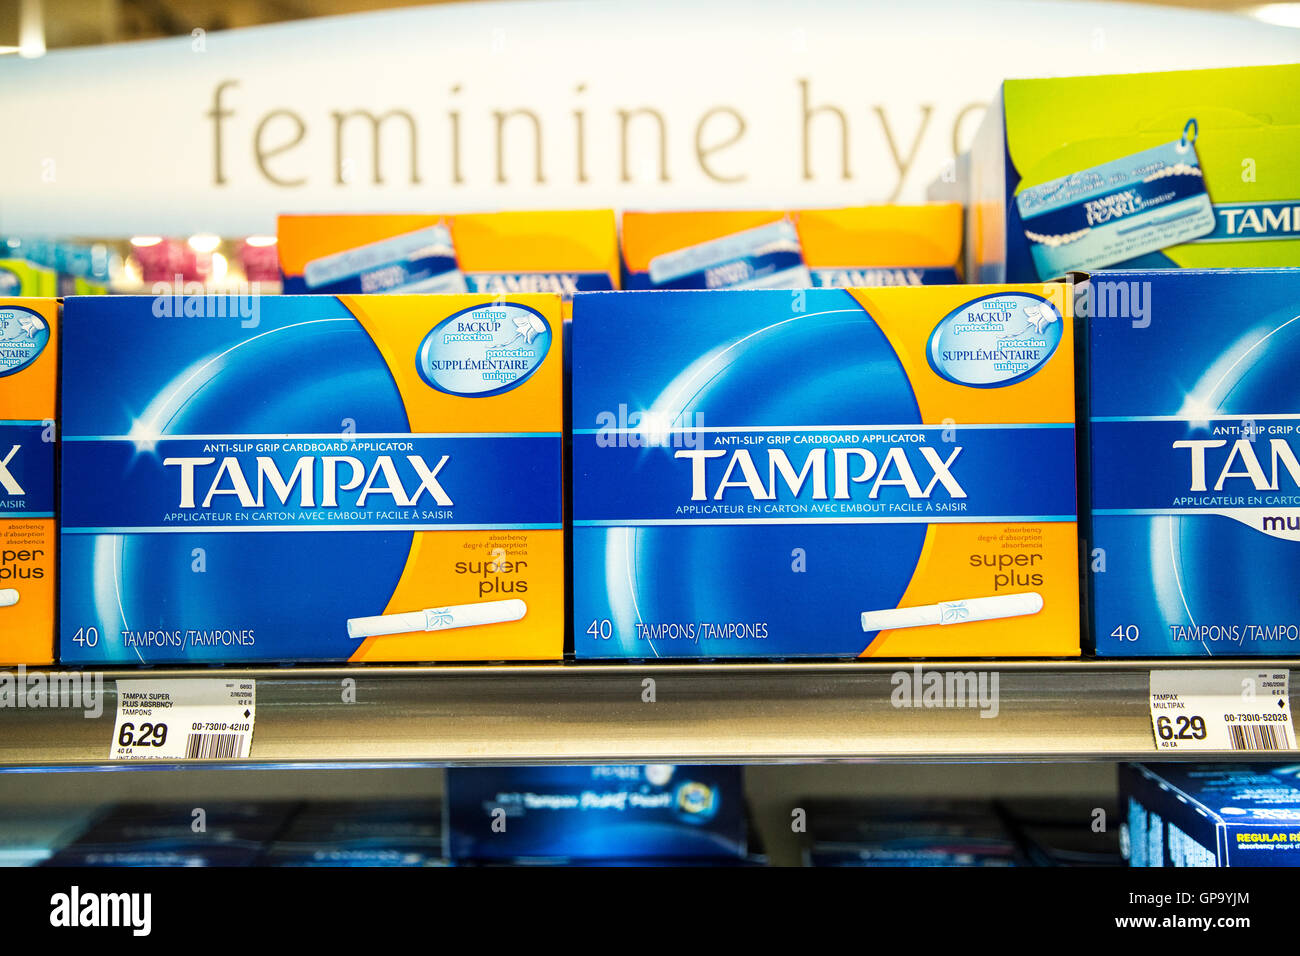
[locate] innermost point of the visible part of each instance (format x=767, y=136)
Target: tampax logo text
x=8, y=483
x=855, y=278
x=313, y=481
x=491, y=283
x=1111, y=207
x=75, y=909
x=830, y=473
x=1251, y=221
x=1239, y=461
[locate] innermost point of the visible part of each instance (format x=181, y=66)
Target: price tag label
x=1222, y=710
x=188, y=719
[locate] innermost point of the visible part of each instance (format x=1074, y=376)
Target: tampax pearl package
x=1190, y=169
x=362, y=478
x=28, y=373
x=825, y=472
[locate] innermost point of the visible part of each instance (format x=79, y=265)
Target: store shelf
x=759, y=713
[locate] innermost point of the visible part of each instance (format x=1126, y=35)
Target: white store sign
x=676, y=103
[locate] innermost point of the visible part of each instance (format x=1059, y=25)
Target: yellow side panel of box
x=28, y=376
x=520, y=563
x=955, y=558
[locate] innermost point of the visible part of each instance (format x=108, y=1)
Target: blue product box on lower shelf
x=1212, y=815
x=609, y=813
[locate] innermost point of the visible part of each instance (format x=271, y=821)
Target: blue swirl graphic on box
x=659, y=572
x=136, y=526
x=1194, y=469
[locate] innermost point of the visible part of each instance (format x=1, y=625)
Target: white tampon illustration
x=8, y=597
x=437, y=618
x=30, y=324
x=954, y=612
x=1037, y=318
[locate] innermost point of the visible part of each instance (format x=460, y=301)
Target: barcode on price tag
x=1222, y=710
x=186, y=719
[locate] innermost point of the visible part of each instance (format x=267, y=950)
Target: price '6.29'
x=148, y=735
x=1180, y=728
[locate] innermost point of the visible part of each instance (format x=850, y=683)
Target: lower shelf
x=655, y=713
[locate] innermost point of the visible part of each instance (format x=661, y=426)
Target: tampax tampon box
x=29, y=342
x=617, y=812
x=805, y=248
x=497, y=253
x=1187, y=169
x=825, y=472
x=1193, y=436
x=312, y=478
